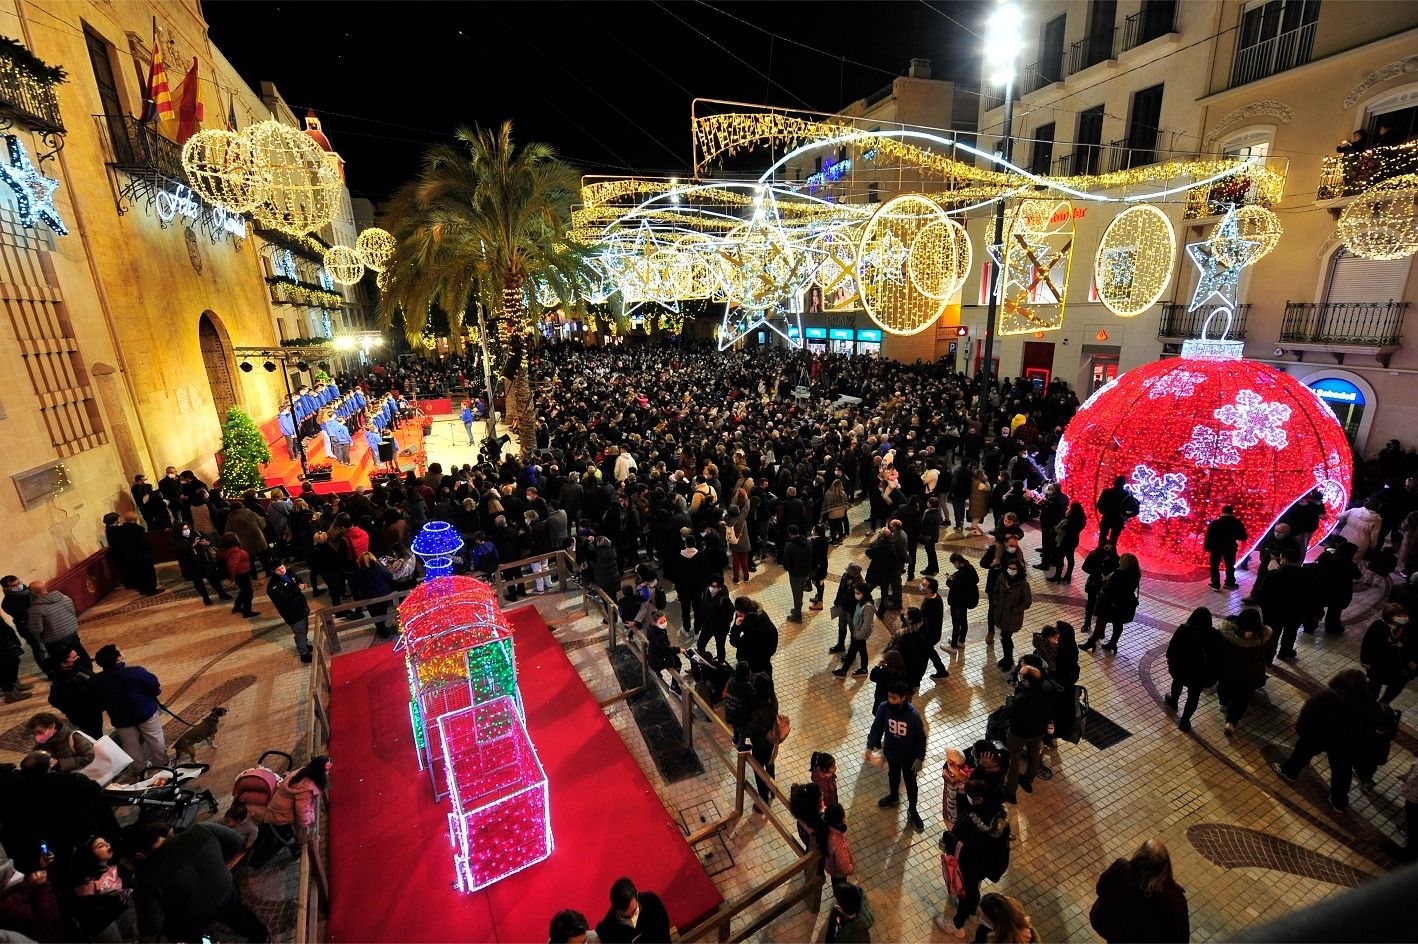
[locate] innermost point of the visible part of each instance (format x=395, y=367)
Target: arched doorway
x=216, y=357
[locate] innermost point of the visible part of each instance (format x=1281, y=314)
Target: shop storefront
x=816, y=340
x=868, y=341
x=840, y=340
x=1345, y=400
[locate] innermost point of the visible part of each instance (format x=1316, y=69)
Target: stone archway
x=217, y=359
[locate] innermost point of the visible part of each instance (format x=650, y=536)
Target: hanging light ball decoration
x=940, y=259
x=1382, y=222
x=1190, y=434
x=1134, y=260
x=888, y=293
x=1248, y=223
x=301, y=191
x=344, y=265
x=221, y=169
x=376, y=247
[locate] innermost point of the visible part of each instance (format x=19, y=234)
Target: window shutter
x=1355, y=279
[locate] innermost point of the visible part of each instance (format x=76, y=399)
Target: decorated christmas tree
x=244, y=450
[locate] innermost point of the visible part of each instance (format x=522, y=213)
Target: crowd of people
x=673, y=474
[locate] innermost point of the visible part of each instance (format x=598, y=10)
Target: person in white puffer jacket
x=1360, y=527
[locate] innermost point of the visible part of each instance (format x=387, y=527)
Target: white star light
x=34, y=192
x=1215, y=278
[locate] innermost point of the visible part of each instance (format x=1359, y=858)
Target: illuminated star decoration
x=1215, y=277
x=645, y=280
x=886, y=260
x=760, y=269
x=34, y=192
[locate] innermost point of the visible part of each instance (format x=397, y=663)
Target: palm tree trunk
x=517, y=381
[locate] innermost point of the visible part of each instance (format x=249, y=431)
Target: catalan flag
x=159, y=99
x=191, y=109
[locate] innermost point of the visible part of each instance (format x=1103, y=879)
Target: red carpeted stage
x=284, y=470
x=391, y=865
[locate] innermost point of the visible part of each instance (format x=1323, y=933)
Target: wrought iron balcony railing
x=1093, y=49
x=1362, y=324
x=1185, y=325
x=1153, y=21
x=1280, y=52
x=1041, y=74
x=136, y=146
x=25, y=98
x=1343, y=175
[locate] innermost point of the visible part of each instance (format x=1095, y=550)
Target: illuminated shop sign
x=869, y=334
x=1334, y=390
x=840, y=334
x=817, y=333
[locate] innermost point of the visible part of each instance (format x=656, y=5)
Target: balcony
x=1344, y=175
x=1149, y=23
x=136, y=147
x=992, y=100
x=1041, y=74
x=1127, y=153
x=26, y=98
x=1370, y=327
x=1179, y=324
x=1091, y=50
x=1216, y=199
x=1280, y=52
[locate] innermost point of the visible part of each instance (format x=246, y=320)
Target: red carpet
x=390, y=859
x=283, y=470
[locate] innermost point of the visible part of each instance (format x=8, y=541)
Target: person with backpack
x=899, y=733
x=962, y=596
x=1193, y=657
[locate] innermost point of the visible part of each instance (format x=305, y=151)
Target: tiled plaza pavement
x=1247, y=847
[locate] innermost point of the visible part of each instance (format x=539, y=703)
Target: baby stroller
x=254, y=788
x=710, y=676
x=159, y=797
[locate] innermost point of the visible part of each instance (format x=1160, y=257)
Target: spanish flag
x=159, y=98
x=190, y=108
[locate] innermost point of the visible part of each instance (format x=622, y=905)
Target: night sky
x=608, y=84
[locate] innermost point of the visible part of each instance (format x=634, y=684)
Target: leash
x=174, y=714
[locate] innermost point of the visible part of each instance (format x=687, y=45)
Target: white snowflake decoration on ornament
x=1209, y=447
x=1256, y=421
x=1178, y=383
x=1331, y=490
x=1158, y=496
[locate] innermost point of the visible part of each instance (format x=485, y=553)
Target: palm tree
x=482, y=222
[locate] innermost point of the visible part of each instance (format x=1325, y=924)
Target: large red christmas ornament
x=1194, y=433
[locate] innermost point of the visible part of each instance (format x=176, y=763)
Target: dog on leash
x=204, y=730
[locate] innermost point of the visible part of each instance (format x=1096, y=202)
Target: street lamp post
x=1002, y=41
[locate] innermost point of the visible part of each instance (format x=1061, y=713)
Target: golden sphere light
x=1134, y=260
x=940, y=259
x=1382, y=222
x=221, y=169
x=375, y=246
x=344, y=265
x=1251, y=223
x=301, y=190
x=887, y=291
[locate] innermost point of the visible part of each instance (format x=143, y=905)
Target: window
x=1142, y=126
x=101, y=60
x=1090, y=134
x=1356, y=279
x=1102, y=14
x=1042, y=156
x=1394, y=127
x=1247, y=144
x=1051, y=50
x=1274, y=35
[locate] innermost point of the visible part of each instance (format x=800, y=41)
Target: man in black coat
x=713, y=614
x=1051, y=511
x=753, y=636
x=73, y=696
x=288, y=595
x=182, y=884
x=634, y=917
x=1031, y=719
x=1285, y=598
x=1222, y=537
x=932, y=623
x=1115, y=506
x=797, y=560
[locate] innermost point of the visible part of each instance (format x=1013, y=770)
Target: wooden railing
x=696, y=716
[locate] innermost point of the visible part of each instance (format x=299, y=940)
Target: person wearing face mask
x=863, y=622
x=932, y=625
x=714, y=613
x=1100, y=562
x=963, y=595
x=980, y=841
x=1009, y=599
x=194, y=557
x=900, y=735
x=1389, y=652
x=1334, y=721
x=662, y=654
x=1117, y=602
x=70, y=749
x=995, y=559
x=634, y=916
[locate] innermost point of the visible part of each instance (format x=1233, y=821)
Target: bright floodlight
x=1003, y=41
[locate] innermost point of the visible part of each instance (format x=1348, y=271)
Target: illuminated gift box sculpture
x=458, y=651
x=500, y=822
